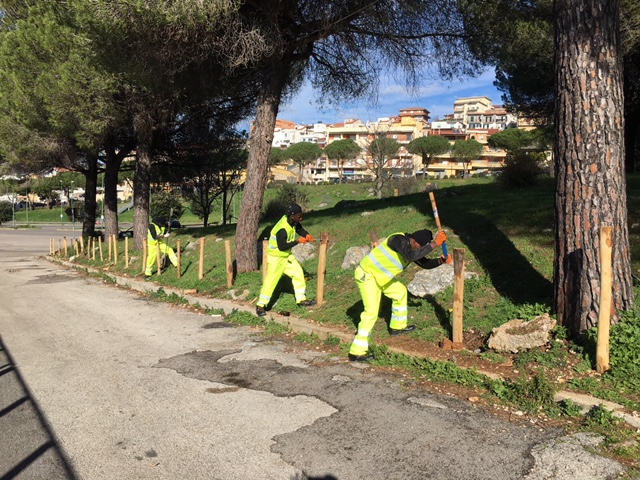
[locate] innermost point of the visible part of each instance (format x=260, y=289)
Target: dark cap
x=293, y=209
x=422, y=237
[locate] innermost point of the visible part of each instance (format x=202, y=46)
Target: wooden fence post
x=179, y=255
x=227, y=249
x=158, y=259
x=458, y=296
x=606, y=283
x=126, y=252
x=144, y=255
x=66, y=251
x=115, y=249
x=322, y=267
x=100, y=249
x=201, y=263
x=265, y=248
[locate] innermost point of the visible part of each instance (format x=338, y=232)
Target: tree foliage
x=342, y=151
x=466, y=151
x=381, y=150
x=428, y=148
x=303, y=153
x=511, y=139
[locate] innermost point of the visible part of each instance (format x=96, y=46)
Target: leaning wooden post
x=158, y=259
x=110, y=246
x=115, y=249
x=179, y=255
x=144, y=255
x=81, y=245
x=66, y=251
x=227, y=249
x=59, y=246
x=201, y=263
x=606, y=283
x=126, y=252
x=322, y=267
x=265, y=248
x=375, y=239
x=100, y=249
x=93, y=248
x=458, y=296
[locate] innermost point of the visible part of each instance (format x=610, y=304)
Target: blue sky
x=438, y=98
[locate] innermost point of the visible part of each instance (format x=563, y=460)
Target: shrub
x=521, y=170
x=287, y=194
x=162, y=203
x=6, y=212
x=405, y=186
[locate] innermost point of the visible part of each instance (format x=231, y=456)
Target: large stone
x=517, y=334
x=354, y=255
x=304, y=251
x=433, y=281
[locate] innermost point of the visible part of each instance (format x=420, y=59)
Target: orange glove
x=441, y=237
x=310, y=238
x=302, y=240
x=449, y=259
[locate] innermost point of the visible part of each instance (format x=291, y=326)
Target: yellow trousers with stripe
x=276, y=267
x=152, y=255
x=371, y=293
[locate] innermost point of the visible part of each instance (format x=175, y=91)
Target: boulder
x=354, y=255
x=432, y=281
x=517, y=334
x=304, y=251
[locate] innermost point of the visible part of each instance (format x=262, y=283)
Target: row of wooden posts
x=606, y=244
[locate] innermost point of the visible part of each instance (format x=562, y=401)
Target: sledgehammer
x=435, y=215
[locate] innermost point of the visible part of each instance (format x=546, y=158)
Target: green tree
x=343, y=48
x=168, y=204
x=342, y=151
x=381, y=150
x=6, y=212
x=511, y=139
x=302, y=154
x=466, y=151
x=589, y=152
x=428, y=147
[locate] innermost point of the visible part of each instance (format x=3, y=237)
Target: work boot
x=260, y=311
x=400, y=331
x=307, y=303
x=361, y=358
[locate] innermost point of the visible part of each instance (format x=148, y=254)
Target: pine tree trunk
x=142, y=181
x=110, y=199
x=258, y=167
x=90, y=189
x=589, y=152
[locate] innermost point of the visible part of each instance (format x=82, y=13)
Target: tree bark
x=142, y=179
x=90, y=189
x=258, y=166
x=112, y=168
x=589, y=153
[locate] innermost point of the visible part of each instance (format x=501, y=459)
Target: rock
x=435, y=280
x=304, y=251
x=517, y=334
x=354, y=255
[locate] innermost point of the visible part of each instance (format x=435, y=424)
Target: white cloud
x=438, y=98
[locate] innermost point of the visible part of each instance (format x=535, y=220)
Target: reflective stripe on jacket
x=273, y=242
x=383, y=262
x=159, y=232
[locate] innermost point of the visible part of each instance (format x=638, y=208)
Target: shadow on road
x=30, y=449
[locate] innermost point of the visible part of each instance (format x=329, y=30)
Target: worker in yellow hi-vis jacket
x=285, y=234
x=376, y=275
x=155, y=238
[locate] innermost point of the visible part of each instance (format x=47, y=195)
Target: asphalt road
x=99, y=382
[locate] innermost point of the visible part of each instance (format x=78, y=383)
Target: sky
x=438, y=98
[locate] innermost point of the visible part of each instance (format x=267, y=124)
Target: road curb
x=300, y=325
